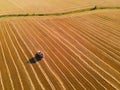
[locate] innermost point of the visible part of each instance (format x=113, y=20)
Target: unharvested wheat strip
x=114, y=78
x=8, y=72
x=93, y=62
x=37, y=64
x=14, y=65
x=79, y=57
x=57, y=67
x=1, y=81
x=25, y=56
x=70, y=63
x=75, y=61
x=32, y=86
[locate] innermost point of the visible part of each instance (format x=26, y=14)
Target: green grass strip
x=59, y=14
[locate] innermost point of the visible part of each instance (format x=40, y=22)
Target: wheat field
x=81, y=51
x=50, y=6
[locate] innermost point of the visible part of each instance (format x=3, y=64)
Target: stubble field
x=81, y=51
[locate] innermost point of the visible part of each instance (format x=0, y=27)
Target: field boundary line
x=57, y=14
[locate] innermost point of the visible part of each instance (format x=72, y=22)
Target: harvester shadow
x=34, y=59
